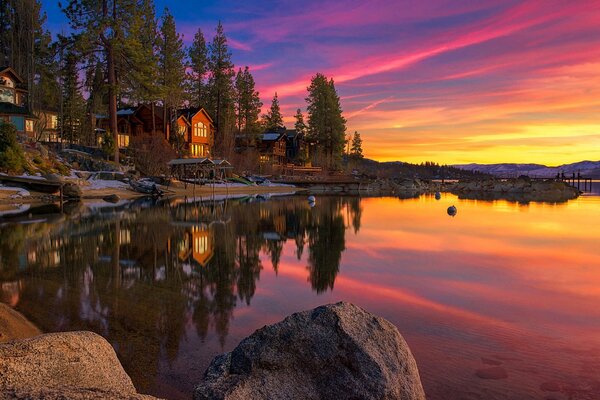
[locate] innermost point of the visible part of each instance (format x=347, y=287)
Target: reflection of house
x=198, y=243
x=13, y=101
x=197, y=129
x=272, y=148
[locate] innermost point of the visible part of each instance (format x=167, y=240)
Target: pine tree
x=221, y=92
x=198, y=55
x=326, y=124
x=247, y=105
x=273, y=119
x=299, y=125
x=356, y=151
x=98, y=30
x=172, y=71
x=73, y=104
x=141, y=47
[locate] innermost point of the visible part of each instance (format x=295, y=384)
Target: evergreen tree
x=299, y=125
x=356, y=149
x=247, y=105
x=273, y=119
x=221, y=92
x=73, y=104
x=98, y=29
x=141, y=47
x=326, y=124
x=172, y=71
x=198, y=55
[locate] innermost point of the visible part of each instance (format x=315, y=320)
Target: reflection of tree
x=137, y=276
x=326, y=242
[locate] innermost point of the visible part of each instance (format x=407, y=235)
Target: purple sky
x=449, y=81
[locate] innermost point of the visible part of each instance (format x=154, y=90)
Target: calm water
x=171, y=285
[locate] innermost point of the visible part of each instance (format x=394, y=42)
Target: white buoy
x=438, y=195
x=452, y=211
x=312, y=199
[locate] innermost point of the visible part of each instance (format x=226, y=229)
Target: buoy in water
x=452, y=211
x=312, y=199
x=438, y=195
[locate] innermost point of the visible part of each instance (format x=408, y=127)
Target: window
x=29, y=125
x=7, y=96
x=200, y=129
x=198, y=150
x=18, y=122
x=123, y=140
x=53, y=122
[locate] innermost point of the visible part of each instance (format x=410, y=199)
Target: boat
x=146, y=187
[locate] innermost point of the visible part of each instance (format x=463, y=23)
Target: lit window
x=53, y=122
x=200, y=129
x=123, y=140
x=29, y=125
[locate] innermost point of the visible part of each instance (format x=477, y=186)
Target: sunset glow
x=446, y=81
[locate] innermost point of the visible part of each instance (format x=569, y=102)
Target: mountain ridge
x=587, y=168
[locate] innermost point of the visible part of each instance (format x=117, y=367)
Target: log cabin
x=13, y=102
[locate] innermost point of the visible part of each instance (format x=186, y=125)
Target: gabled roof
x=189, y=113
x=9, y=70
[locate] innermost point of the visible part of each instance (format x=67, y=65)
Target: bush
x=12, y=158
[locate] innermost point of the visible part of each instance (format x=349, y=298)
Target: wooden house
x=13, y=102
x=135, y=122
x=197, y=129
x=272, y=149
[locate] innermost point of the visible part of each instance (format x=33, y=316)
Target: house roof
x=189, y=113
x=271, y=136
x=10, y=108
x=5, y=70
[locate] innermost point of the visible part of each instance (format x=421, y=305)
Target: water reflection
x=139, y=275
x=172, y=284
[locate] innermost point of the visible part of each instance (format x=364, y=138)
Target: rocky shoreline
x=333, y=351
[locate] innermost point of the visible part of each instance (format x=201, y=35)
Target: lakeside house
x=194, y=125
x=197, y=128
x=13, y=102
x=272, y=149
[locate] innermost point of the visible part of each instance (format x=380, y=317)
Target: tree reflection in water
x=137, y=275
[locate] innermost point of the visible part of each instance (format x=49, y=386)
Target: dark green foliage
x=247, y=105
x=220, y=90
x=172, y=70
x=356, y=149
x=326, y=125
x=11, y=154
x=273, y=119
x=108, y=143
x=73, y=104
x=198, y=55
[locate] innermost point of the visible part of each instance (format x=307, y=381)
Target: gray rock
x=336, y=351
x=71, y=190
x=77, y=361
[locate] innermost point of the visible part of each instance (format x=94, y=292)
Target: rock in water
x=47, y=365
x=111, y=198
x=336, y=351
x=452, y=211
x=71, y=191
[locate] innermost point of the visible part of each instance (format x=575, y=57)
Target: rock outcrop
x=521, y=189
x=13, y=325
x=336, y=351
x=73, y=365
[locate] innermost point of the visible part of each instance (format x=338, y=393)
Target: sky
x=447, y=81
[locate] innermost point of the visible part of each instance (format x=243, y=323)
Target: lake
x=509, y=286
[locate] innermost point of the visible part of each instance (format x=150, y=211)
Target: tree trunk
x=153, y=121
x=112, y=98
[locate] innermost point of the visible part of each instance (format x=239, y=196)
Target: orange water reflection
x=174, y=284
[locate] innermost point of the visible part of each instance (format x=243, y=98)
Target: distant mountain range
x=588, y=169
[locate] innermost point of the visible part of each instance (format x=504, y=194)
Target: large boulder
x=74, y=365
x=72, y=191
x=13, y=325
x=335, y=351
